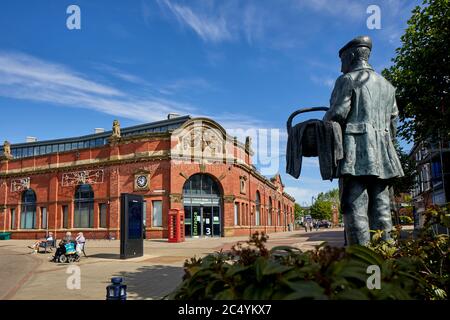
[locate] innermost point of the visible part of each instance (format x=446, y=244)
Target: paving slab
x=152, y=276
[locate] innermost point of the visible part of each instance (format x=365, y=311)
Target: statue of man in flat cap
x=363, y=103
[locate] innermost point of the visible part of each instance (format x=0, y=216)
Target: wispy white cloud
x=302, y=195
x=353, y=9
x=278, y=26
x=219, y=21
x=25, y=77
x=19, y=69
x=182, y=84
x=120, y=74
x=326, y=81
x=207, y=27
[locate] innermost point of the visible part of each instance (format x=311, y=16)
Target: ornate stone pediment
x=200, y=140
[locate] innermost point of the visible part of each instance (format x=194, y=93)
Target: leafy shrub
x=406, y=220
x=410, y=269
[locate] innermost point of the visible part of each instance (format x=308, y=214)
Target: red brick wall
x=166, y=184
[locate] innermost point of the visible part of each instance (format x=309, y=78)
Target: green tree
x=322, y=207
x=421, y=73
x=404, y=184
x=298, y=212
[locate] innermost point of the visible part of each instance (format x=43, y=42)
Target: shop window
x=102, y=209
x=157, y=213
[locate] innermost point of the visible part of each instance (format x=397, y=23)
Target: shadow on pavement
x=115, y=256
x=333, y=238
x=152, y=282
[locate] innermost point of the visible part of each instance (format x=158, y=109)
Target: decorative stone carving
x=7, y=148
x=116, y=129
x=6, y=151
x=176, y=197
x=228, y=199
x=20, y=184
x=82, y=177
x=142, y=180
x=222, y=176
x=248, y=143
x=114, y=173
x=201, y=143
x=184, y=175
x=243, y=184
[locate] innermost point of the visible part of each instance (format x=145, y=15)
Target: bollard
x=116, y=290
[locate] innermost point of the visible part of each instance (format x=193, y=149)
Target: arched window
x=258, y=209
x=269, y=213
x=84, y=207
x=28, y=212
x=279, y=214
x=202, y=206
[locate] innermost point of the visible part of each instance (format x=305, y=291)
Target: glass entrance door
x=202, y=207
x=207, y=221
x=196, y=221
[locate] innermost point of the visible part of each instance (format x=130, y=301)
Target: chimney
x=30, y=139
x=172, y=115
x=99, y=130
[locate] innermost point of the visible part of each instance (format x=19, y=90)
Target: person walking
x=310, y=225
x=81, y=240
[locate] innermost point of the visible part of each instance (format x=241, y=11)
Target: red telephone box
x=176, y=225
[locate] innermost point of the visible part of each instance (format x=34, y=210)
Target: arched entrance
x=202, y=206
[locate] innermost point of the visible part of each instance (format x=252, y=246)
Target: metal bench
x=47, y=244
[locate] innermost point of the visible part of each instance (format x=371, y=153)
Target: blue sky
x=247, y=64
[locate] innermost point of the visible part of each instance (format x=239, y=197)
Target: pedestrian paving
x=157, y=273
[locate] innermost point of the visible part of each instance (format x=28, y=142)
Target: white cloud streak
x=208, y=28
x=26, y=77
x=277, y=25
x=341, y=8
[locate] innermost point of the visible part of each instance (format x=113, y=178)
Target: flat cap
x=361, y=41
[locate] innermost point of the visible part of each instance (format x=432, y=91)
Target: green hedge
x=410, y=269
x=406, y=220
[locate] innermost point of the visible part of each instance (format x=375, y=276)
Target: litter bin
x=5, y=235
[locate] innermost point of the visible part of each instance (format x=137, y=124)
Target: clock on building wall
x=141, y=181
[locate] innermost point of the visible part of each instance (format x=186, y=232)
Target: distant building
x=74, y=184
x=432, y=183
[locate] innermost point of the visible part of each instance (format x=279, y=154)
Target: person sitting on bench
x=41, y=243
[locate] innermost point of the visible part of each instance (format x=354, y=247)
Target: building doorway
x=202, y=207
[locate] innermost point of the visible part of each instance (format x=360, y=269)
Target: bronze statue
x=363, y=103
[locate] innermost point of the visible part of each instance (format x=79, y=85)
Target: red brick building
x=75, y=184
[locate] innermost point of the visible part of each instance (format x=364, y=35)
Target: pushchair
x=66, y=252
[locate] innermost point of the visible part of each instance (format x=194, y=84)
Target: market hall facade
x=192, y=164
